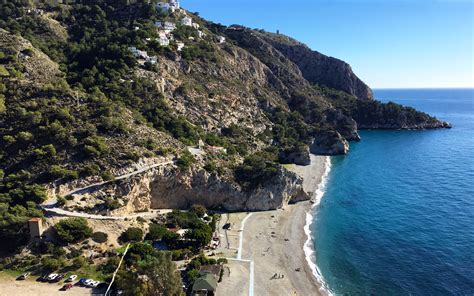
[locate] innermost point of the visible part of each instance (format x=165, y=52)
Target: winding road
x=50, y=206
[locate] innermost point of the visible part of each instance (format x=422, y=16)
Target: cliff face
x=169, y=188
x=318, y=68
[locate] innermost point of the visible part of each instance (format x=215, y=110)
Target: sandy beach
x=274, y=240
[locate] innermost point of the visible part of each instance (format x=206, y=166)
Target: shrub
x=156, y=232
x=78, y=262
x=132, y=234
x=199, y=210
x=57, y=172
x=72, y=230
x=185, y=161
x=99, y=237
x=51, y=264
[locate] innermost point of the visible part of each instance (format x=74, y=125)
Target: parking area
x=32, y=287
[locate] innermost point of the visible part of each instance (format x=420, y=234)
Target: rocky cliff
x=318, y=68
x=169, y=188
x=78, y=103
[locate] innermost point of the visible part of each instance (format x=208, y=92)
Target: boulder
x=298, y=156
x=329, y=142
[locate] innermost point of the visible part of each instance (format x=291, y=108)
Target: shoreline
x=279, y=241
x=308, y=246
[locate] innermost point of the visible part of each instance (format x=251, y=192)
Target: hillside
x=94, y=89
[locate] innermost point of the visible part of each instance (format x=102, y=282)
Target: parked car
x=59, y=277
x=94, y=284
x=82, y=281
x=87, y=282
x=52, y=276
x=71, y=278
x=67, y=287
x=24, y=276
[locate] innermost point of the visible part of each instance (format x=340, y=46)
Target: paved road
x=49, y=206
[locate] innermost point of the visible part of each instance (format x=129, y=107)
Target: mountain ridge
x=101, y=89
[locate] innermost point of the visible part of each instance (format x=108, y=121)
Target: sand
x=12, y=287
x=274, y=240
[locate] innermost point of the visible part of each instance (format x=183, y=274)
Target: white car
x=71, y=278
x=88, y=282
x=52, y=276
x=94, y=284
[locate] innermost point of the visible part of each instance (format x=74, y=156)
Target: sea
x=396, y=215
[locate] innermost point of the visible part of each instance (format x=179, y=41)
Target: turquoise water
x=397, y=217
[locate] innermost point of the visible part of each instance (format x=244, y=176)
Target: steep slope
x=318, y=68
x=88, y=91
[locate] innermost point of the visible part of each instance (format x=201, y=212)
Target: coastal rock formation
x=329, y=143
x=345, y=125
x=167, y=188
x=298, y=157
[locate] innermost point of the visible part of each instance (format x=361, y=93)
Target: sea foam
x=308, y=247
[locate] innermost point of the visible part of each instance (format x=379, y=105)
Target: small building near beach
x=213, y=269
x=35, y=225
x=205, y=285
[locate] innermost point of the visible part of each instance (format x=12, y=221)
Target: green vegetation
x=132, y=234
x=73, y=230
x=99, y=237
x=154, y=273
x=156, y=232
x=199, y=210
x=185, y=160
x=258, y=169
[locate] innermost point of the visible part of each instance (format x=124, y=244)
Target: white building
x=180, y=45
x=187, y=21
x=133, y=50
x=221, y=39
x=201, y=34
x=195, y=26
x=172, y=6
x=163, y=6
x=152, y=60
x=138, y=53
x=163, y=40
x=168, y=27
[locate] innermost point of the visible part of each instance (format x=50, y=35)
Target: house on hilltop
x=187, y=21
x=170, y=6
x=163, y=40
x=168, y=27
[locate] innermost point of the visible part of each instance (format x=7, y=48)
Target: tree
x=132, y=234
x=73, y=230
x=156, y=232
x=185, y=160
x=199, y=210
x=99, y=237
x=78, y=262
x=51, y=264
x=156, y=275
x=201, y=235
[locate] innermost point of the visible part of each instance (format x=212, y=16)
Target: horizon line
x=426, y=87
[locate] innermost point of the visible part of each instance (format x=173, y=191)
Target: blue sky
x=389, y=43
